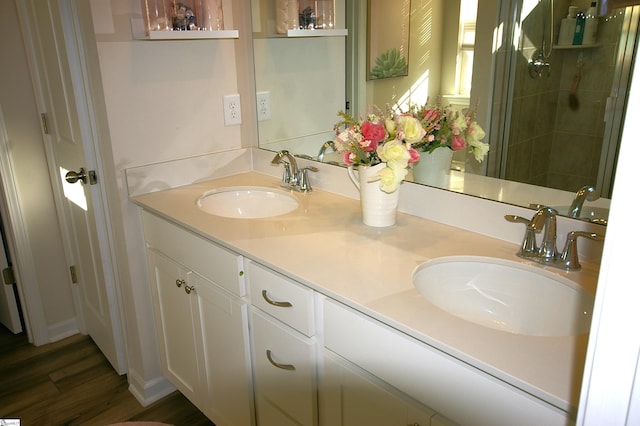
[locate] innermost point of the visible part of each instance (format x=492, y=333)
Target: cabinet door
x=224, y=325
x=285, y=373
x=351, y=397
x=175, y=311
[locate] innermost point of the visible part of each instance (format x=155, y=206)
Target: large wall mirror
x=552, y=114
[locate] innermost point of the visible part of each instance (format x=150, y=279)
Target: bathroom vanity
x=311, y=318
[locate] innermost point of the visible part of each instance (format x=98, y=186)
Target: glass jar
x=317, y=14
x=183, y=15
x=286, y=15
x=209, y=13
x=155, y=15
x=325, y=18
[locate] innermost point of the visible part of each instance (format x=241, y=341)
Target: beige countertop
x=324, y=245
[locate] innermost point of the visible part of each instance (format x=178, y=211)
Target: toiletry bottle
x=590, y=25
x=578, y=35
x=568, y=28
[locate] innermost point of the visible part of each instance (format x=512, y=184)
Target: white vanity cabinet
x=201, y=321
x=284, y=349
x=177, y=324
x=349, y=396
x=463, y=393
x=250, y=345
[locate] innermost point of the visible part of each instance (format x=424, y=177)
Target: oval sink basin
x=505, y=295
x=247, y=202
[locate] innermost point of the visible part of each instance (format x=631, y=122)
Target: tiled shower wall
x=551, y=144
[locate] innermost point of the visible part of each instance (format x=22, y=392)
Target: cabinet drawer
x=282, y=298
x=212, y=262
x=453, y=388
x=285, y=371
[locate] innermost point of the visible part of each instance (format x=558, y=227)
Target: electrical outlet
x=264, y=106
x=232, y=111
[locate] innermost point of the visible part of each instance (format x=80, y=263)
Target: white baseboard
x=62, y=330
x=149, y=391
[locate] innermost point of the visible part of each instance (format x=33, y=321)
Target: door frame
x=76, y=35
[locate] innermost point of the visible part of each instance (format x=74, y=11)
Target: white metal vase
x=379, y=208
x=434, y=167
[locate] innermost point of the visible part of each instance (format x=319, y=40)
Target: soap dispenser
x=568, y=28
x=578, y=35
x=590, y=25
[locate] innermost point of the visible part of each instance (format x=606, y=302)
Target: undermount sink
x=247, y=202
x=505, y=295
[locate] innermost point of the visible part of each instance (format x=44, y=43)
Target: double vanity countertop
x=324, y=245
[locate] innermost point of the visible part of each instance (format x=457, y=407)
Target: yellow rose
x=393, y=151
x=390, y=177
x=412, y=129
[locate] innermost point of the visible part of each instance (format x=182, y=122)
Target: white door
x=9, y=316
x=61, y=86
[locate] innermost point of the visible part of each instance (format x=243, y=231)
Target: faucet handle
x=305, y=184
x=529, y=241
x=569, y=256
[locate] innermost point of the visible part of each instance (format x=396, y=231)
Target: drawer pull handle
x=273, y=302
x=179, y=282
x=189, y=289
x=278, y=365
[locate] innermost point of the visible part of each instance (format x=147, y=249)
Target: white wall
x=163, y=102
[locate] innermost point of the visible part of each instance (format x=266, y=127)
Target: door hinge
x=74, y=276
x=45, y=126
x=8, y=277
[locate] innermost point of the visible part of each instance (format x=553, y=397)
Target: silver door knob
x=82, y=175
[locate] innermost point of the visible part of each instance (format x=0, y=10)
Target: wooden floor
x=71, y=383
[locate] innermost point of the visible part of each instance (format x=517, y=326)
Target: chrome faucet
x=546, y=254
x=327, y=145
x=585, y=193
x=293, y=177
x=290, y=173
x=545, y=218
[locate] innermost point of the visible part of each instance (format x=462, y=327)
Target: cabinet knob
x=289, y=367
x=265, y=296
x=179, y=282
x=189, y=289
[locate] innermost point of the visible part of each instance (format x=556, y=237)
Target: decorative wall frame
x=387, y=38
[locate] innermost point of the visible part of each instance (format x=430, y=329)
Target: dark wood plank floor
x=71, y=383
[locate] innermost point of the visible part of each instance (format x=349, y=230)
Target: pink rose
x=368, y=146
x=373, y=132
x=414, y=156
x=348, y=158
x=458, y=143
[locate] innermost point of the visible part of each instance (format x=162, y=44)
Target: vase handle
x=353, y=177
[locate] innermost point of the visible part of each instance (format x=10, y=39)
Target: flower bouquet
x=446, y=127
x=380, y=137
